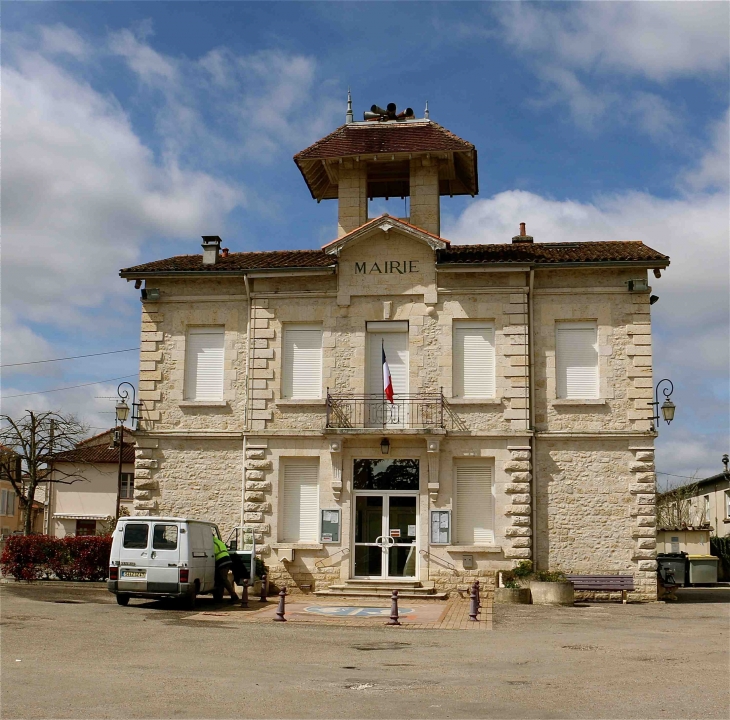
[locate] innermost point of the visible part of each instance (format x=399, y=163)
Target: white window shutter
x=3, y=502
x=576, y=360
x=474, y=504
x=11, y=502
x=300, y=486
x=204, y=364
x=473, y=360
x=396, y=353
x=302, y=371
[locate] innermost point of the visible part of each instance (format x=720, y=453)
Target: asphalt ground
x=73, y=653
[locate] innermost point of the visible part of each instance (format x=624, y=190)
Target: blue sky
x=130, y=129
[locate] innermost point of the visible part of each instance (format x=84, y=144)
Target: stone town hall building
x=522, y=372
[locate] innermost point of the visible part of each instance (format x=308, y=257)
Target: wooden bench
x=611, y=583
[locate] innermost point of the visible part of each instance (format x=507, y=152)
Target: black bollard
x=394, y=609
x=282, y=606
x=262, y=597
x=474, y=603
x=244, y=593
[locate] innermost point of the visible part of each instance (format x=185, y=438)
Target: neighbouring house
x=704, y=503
x=11, y=511
x=393, y=407
x=83, y=491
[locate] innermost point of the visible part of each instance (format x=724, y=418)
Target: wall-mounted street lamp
x=122, y=413
x=667, y=408
x=385, y=446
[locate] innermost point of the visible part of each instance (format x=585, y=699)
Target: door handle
x=153, y=554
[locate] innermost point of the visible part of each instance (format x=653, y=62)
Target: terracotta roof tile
x=522, y=253
x=387, y=137
x=96, y=454
x=235, y=262
x=548, y=253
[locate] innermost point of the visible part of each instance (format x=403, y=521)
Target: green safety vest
x=221, y=551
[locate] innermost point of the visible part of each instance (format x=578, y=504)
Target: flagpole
x=382, y=392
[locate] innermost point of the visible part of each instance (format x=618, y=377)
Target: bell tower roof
x=387, y=148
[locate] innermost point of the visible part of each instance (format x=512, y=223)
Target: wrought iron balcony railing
x=420, y=411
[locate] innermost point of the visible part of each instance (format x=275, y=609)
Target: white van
x=159, y=557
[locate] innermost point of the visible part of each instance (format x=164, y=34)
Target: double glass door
x=385, y=535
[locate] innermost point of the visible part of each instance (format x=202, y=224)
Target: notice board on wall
x=440, y=527
x=330, y=526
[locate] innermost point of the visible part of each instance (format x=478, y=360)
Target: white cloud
x=81, y=193
x=655, y=40
x=584, y=54
x=264, y=102
x=713, y=171
x=61, y=39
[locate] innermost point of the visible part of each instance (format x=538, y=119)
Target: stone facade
x=580, y=488
x=573, y=480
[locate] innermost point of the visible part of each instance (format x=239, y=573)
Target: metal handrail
x=450, y=565
x=320, y=563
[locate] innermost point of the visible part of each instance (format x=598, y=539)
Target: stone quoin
x=519, y=426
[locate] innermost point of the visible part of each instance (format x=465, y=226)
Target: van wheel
x=218, y=594
x=189, y=600
x=122, y=599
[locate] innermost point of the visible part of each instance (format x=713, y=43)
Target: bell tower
x=389, y=154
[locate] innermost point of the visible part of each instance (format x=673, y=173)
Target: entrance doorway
x=385, y=518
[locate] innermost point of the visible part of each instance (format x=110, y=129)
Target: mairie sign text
x=400, y=267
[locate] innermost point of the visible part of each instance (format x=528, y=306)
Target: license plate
x=134, y=573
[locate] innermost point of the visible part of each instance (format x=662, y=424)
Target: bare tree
x=675, y=508
x=28, y=446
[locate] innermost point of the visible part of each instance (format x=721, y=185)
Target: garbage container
x=702, y=569
x=675, y=562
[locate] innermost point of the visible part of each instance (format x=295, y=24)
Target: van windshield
x=135, y=536
x=164, y=537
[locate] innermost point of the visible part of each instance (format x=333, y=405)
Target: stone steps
x=407, y=590
x=382, y=594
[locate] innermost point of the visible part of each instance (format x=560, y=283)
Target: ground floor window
x=86, y=527
x=474, y=503
x=300, y=500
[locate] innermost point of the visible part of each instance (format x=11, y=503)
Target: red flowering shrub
x=71, y=558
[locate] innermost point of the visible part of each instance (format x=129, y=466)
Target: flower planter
x=512, y=596
x=552, y=593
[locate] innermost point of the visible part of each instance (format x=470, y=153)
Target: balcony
x=422, y=411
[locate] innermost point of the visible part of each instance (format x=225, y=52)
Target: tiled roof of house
x=236, y=262
x=551, y=253
x=372, y=138
x=96, y=454
x=518, y=253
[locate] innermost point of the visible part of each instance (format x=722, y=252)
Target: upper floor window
x=473, y=359
x=7, y=502
x=727, y=504
x=204, y=363
x=302, y=362
x=576, y=360
x=127, y=491
x=474, y=503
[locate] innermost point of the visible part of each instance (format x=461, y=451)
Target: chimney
x=211, y=247
x=523, y=237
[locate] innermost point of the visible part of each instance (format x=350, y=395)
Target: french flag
x=387, y=380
